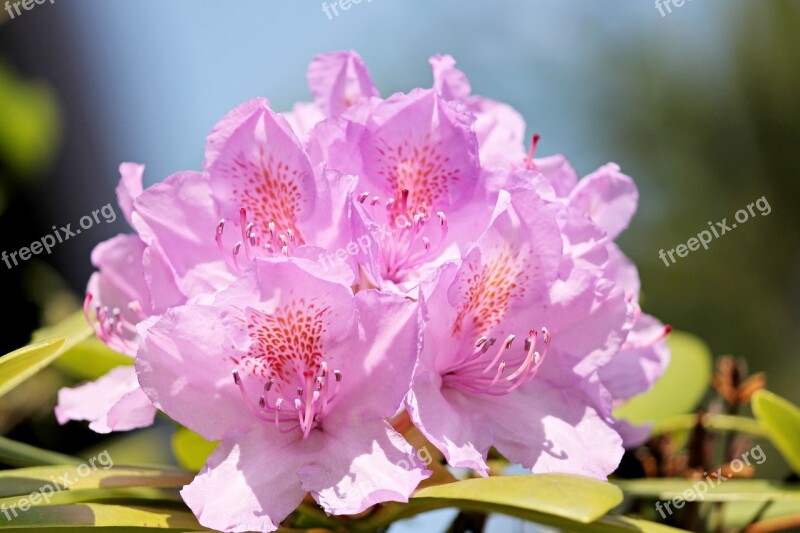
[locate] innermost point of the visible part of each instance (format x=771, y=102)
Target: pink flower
x=196, y=233
x=273, y=200
x=418, y=191
x=295, y=375
x=606, y=200
x=478, y=287
x=513, y=348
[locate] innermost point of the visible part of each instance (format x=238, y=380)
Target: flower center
x=111, y=325
x=421, y=166
x=488, y=289
x=286, y=360
x=253, y=244
x=402, y=238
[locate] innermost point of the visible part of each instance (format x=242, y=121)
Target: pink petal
x=387, y=344
x=184, y=369
x=501, y=133
x=362, y=465
x=339, y=80
x=422, y=143
x=577, y=440
x=589, y=319
x=263, y=169
x=641, y=361
x=559, y=172
x=448, y=81
x=99, y=402
x=250, y=484
x=610, y=198
x=447, y=418
x=303, y=117
x=181, y=219
x=226, y=127
x=129, y=188
x=621, y=270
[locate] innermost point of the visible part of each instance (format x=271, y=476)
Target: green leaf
x=730, y=490
x=47, y=345
x=566, y=502
x=91, y=359
x=19, y=454
x=736, y=517
x=144, y=447
x=49, y=495
x=711, y=421
x=191, y=450
x=74, y=328
x=74, y=495
x=679, y=390
x=104, y=515
x=781, y=420
x=614, y=523
x=21, y=364
x=573, y=497
x=90, y=475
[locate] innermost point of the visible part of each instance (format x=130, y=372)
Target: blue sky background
x=162, y=73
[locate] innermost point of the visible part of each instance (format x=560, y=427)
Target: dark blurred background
x=701, y=106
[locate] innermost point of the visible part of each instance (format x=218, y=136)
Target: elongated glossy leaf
x=614, y=523
x=191, y=450
x=711, y=421
x=20, y=454
x=606, y=524
x=738, y=516
x=730, y=490
x=91, y=359
x=573, y=497
x=49, y=495
x=103, y=515
x=48, y=344
x=71, y=477
x=21, y=364
x=73, y=328
x=781, y=420
x=145, y=447
x=680, y=389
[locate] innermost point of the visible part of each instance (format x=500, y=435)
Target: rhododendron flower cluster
x=362, y=259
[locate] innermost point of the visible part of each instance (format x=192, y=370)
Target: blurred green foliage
x=703, y=139
x=29, y=130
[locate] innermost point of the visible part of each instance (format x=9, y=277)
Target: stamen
x=312, y=402
x=472, y=373
x=529, y=162
x=109, y=325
